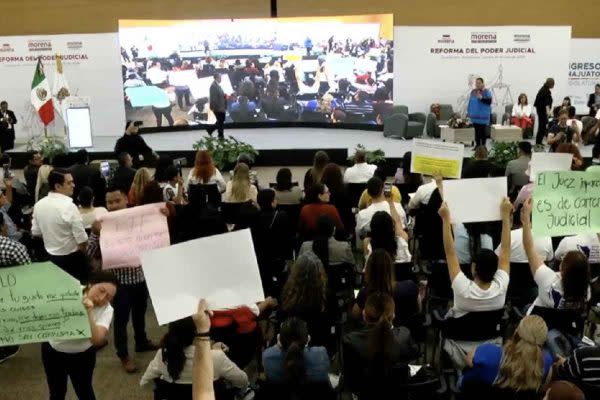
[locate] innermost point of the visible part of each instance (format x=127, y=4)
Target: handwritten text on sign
x=40, y=302
x=127, y=233
x=566, y=203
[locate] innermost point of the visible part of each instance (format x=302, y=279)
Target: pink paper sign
x=128, y=233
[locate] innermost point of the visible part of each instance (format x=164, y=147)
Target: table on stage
x=461, y=135
x=506, y=134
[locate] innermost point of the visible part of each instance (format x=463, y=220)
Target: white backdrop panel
x=584, y=71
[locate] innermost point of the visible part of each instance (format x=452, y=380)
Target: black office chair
x=231, y=211
x=309, y=391
x=522, y=289
x=273, y=185
x=354, y=191
x=568, y=322
x=205, y=196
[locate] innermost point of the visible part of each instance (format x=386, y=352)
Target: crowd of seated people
x=278, y=89
x=313, y=334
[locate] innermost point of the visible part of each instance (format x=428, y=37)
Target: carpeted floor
x=22, y=377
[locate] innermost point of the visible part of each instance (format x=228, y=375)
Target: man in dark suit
x=124, y=174
x=218, y=104
x=594, y=101
x=135, y=145
x=86, y=175
x=7, y=127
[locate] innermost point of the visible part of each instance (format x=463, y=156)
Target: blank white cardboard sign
x=541, y=162
x=221, y=269
x=475, y=200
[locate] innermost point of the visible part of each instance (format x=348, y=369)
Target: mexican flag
x=41, y=96
x=60, y=88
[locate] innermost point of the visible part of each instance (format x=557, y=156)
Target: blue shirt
x=316, y=362
x=486, y=365
x=480, y=112
x=461, y=244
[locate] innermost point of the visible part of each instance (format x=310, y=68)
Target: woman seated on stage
x=521, y=113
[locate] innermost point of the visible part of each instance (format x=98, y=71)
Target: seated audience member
x=570, y=148
x=542, y=244
x=563, y=390
x=487, y=290
x=403, y=174
x=574, y=121
x=76, y=358
x=304, y=296
x=469, y=239
x=6, y=203
x=332, y=178
x=387, y=232
x=324, y=245
x=88, y=212
x=85, y=174
x=173, y=362
x=34, y=162
x=317, y=204
x=285, y=191
x=205, y=172
x=41, y=186
x=479, y=166
x=366, y=200
x=291, y=361
x=519, y=366
x=124, y=173
x=141, y=178
x=567, y=289
x=375, y=189
x=313, y=175
x=521, y=113
x=361, y=171
x=587, y=243
x=371, y=353
x=594, y=101
x=562, y=132
x=239, y=189
x=582, y=367
x=173, y=186
x=565, y=106
x=422, y=195
x=516, y=169
x=380, y=277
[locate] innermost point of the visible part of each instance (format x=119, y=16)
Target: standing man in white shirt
x=57, y=220
x=361, y=171
x=379, y=203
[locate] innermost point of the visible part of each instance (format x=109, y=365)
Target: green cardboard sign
x=40, y=302
x=566, y=203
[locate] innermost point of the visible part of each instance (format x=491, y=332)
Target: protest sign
x=40, y=302
x=541, y=162
x=475, y=200
x=431, y=158
x=566, y=203
x=127, y=233
x=221, y=269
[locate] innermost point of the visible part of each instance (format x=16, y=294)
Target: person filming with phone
x=131, y=142
x=381, y=195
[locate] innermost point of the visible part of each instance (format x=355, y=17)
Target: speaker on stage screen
x=300, y=70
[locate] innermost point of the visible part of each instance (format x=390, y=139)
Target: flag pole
x=45, y=131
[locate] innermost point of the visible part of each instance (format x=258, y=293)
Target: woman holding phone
x=76, y=358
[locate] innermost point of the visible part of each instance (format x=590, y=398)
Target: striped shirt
x=125, y=276
x=583, y=366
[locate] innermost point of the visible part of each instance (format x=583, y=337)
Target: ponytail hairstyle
x=293, y=338
x=379, y=272
x=522, y=364
x=575, y=276
x=378, y=317
x=320, y=247
x=180, y=335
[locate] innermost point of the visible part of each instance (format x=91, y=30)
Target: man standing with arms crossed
x=58, y=221
x=132, y=293
x=218, y=105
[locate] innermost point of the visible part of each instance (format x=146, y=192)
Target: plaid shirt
x=125, y=276
x=12, y=253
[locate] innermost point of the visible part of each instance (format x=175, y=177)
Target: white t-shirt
x=542, y=246
x=550, y=290
x=422, y=195
x=588, y=244
x=88, y=218
x=468, y=297
x=363, y=218
x=359, y=173
x=102, y=316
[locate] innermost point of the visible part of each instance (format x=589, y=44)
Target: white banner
x=482, y=203
x=440, y=64
x=92, y=66
x=584, y=72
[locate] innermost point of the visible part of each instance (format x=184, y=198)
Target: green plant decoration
x=225, y=151
x=48, y=146
x=373, y=156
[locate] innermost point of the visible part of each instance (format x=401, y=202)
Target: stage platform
x=278, y=146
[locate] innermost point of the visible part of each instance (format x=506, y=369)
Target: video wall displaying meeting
x=314, y=70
